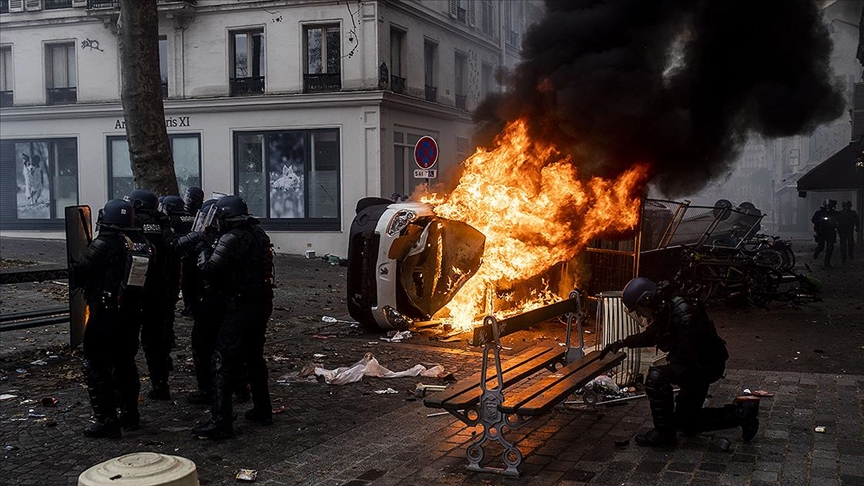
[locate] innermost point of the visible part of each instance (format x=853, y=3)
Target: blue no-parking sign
x=426, y=152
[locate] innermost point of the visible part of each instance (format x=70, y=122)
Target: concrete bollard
x=142, y=469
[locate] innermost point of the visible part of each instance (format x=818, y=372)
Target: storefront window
x=291, y=176
x=39, y=179
x=185, y=149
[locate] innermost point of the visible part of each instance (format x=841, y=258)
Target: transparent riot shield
x=79, y=234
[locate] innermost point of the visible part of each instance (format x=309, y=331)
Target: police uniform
x=240, y=270
x=115, y=309
x=180, y=223
x=193, y=200
x=155, y=331
x=696, y=358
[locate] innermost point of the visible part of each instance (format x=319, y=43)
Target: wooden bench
x=490, y=400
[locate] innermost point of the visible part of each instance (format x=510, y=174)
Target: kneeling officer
x=112, y=273
x=697, y=357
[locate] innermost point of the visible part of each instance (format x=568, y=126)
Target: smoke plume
x=678, y=84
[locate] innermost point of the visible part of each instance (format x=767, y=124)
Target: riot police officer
x=155, y=333
x=241, y=270
x=112, y=272
x=181, y=223
x=847, y=225
x=696, y=358
x=825, y=225
x=192, y=199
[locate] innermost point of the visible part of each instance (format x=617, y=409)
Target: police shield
x=78, y=236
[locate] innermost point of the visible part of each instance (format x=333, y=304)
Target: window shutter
x=34, y=4
x=508, y=26
x=454, y=5
x=858, y=111
x=16, y=5
x=472, y=14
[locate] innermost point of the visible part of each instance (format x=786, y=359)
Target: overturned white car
x=405, y=263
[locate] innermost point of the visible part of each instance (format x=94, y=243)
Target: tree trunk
x=149, y=148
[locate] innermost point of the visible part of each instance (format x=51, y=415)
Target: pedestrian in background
x=825, y=225
x=847, y=225
x=112, y=273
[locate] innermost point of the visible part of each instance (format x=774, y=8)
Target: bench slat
x=525, y=364
x=544, y=394
x=483, y=334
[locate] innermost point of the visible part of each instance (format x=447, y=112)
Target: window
x=247, y=55
x=487, y=16
x=488, y=79
x=430, y=58
x=6, y=98
x=461, y=11
x=460, y=81
x=163, y=65
x=291, y=176
x=397, y=57
x=185, y=150
x=323, y=58
x=60, y=73
x=38, y=179
x=50, y=4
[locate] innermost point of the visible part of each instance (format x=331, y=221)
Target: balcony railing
x=431, y=93
x=397, y=84
x=6, y=98
x=460, y=101
x=49, y=4
x=246, y=86
x=106, y=4
x=102, y=4
x=165, y=90
x=62, y=96
x=320, y=83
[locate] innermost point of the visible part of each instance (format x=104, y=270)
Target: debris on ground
x=420, y=390
x=820, y=429
x=333, y=320
x=248, y=475
x=369, y=366
x=758, y=393
x=388, y=391
x=397, y=336
x=7, y=396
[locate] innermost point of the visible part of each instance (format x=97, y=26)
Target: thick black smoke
x=601, y=80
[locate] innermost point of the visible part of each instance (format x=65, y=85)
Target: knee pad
x=656, y=382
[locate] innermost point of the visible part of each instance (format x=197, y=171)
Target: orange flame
x=528, y=200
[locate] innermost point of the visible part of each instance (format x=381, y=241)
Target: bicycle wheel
x=768, y=258
x=788, y=258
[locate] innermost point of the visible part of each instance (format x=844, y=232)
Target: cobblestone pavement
x=340, y=435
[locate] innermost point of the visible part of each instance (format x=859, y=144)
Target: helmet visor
x=640, y=314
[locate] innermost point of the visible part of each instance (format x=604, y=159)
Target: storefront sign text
x=171, y=122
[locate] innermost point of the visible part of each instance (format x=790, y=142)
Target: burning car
x=405, y=263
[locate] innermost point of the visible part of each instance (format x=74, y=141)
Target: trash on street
x=248, y=475
x=388, y=391
x=396, y=336
x=369, y=366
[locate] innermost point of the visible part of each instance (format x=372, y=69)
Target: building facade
x=301, y=107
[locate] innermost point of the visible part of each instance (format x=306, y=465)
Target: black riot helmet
x=232, y=208
x=143, y=199
x=193, y=198
x=640, y=294
x=117, y=214
x=172, y=205
x=847, y=204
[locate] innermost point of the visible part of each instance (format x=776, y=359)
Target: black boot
x=747, y=408
x=130, y=419
x=261, y=417
x=109, y=427
x=160, y=391
x=656, y=438
x=214, y=430
x=199, y=398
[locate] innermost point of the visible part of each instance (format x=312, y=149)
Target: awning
x=836, y=173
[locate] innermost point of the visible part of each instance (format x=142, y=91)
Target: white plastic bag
x=369, y=366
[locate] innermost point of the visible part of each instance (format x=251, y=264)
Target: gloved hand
x=611, y=348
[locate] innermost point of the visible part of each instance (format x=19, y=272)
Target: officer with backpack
x=113, y=272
